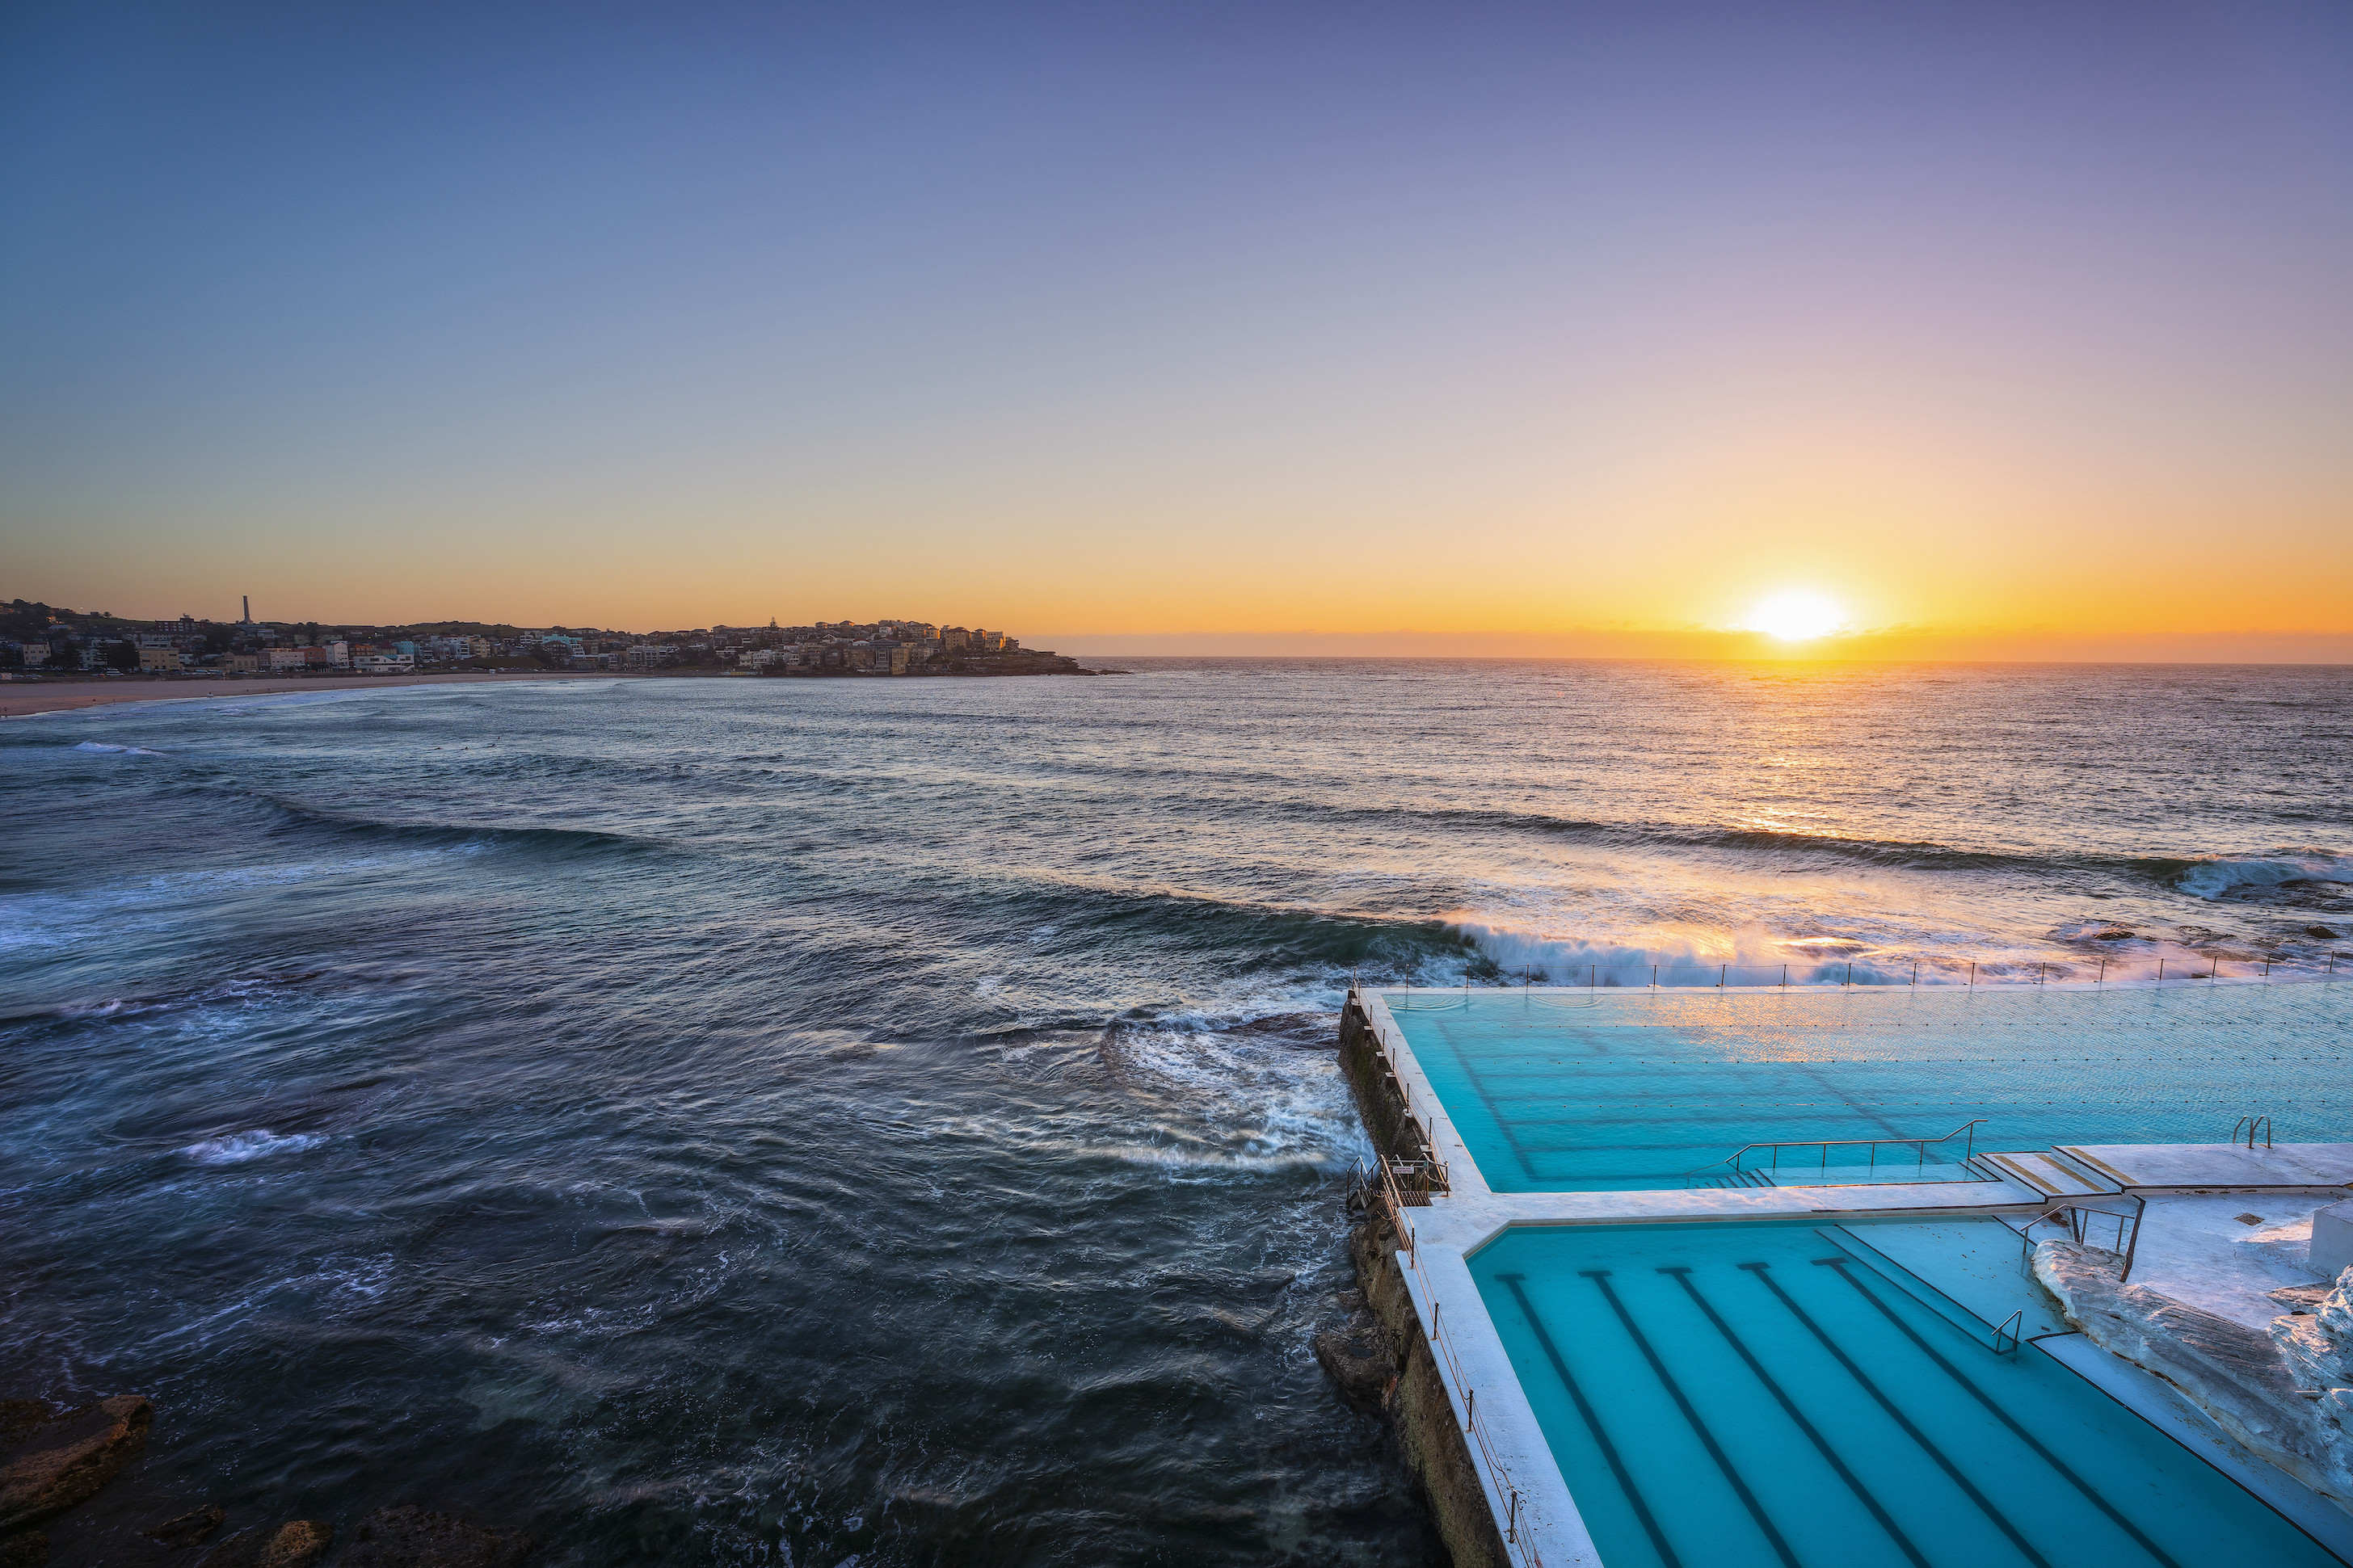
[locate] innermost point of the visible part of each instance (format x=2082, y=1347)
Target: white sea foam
x=1740, y=955
x=2212, y=878
x=1252, y=1104
x=126, y=750
x=236, y=1148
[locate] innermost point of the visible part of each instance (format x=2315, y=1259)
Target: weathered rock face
x=27, y=1549
x=419, y=1538
x=298, y=1545
x=2237, y=1374
x=187, y=1529
x=1360, y=1358
x=2317, y=1346
x=51, y=1459
x=2318, y=1343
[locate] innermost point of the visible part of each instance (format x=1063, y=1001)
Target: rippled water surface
x=807, y=1122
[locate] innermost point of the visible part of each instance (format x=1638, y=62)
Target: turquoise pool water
x=1720, y=1394
x=1635, y=1089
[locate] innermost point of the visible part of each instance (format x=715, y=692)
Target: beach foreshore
x=24, y=700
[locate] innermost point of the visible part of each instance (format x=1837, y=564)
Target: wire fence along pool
x=1686, y=975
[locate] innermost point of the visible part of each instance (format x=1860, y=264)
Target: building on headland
x=889, y=646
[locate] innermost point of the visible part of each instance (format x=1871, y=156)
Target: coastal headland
x=25, y=699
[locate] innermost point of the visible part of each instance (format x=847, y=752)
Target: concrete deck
x=2149, y=1166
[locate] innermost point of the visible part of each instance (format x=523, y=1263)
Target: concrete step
x=2053, y=1175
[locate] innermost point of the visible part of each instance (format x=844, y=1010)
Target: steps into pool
x=2050, y=1171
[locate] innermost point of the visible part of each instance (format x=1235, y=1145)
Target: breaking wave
x=236, y=1148
x=2211, y=879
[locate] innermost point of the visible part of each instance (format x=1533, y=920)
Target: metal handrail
x=2076, y=1217
x=1433, y=1170
x=1827, y=1144
x=2245, y=1131
x=1681, y=975
x=1515, y=1545
x=2011, y=1327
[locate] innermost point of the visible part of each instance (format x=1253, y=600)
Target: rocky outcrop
x=2251, y=1383
x=26, y=1549
x=51, y=1459
x=298, y=1545
x=186, y=1529
x=2317, y=1346
x=1360, y=1355
x=419, y=1538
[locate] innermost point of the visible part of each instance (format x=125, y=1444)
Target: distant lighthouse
x=248, y=600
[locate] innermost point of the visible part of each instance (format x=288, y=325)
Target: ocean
x=894, y=1122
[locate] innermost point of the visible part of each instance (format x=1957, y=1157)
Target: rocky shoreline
x=56, y=1458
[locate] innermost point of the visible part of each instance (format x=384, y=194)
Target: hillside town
x=37, y=640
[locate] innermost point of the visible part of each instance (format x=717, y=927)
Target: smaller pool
x=1631, y=1090
x=1774, y=1395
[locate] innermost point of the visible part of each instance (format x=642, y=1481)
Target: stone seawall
x=1398, y=1374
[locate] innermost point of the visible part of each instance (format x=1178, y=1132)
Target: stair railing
x=2248, y=1126
x=2083, y=1225
x=1919, y=1147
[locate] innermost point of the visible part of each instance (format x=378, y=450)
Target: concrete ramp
x=2047, y=1174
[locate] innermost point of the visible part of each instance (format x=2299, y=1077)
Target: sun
x=1796, y=615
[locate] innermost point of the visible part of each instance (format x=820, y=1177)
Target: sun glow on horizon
x=1796, y=615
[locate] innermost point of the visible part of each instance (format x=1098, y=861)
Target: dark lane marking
x=1952, y=1470
x=1904, y=1543
x=1494, y=1113
x=1600, y=1277
x=1592, y=1421
x=1980, y=1395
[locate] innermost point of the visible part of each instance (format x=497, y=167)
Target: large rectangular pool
x=1737, y=1395
x=1611, y=1090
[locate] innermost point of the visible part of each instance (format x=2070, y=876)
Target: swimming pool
x=1735, y=1394
x=1553, y=1092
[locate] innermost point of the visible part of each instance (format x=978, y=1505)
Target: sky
x=2006, y=330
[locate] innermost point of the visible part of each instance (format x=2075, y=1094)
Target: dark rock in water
x=51, y=1459
x=419, y=1538
x=1359, y=1359
x=2322, y=933
x=187, y=1529
x=28, y=1548
x=296, y=1545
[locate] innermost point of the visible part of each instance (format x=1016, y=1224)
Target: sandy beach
x=23, y=700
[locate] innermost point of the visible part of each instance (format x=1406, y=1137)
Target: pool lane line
x=1839, y=1265
x=1855, y=1484
x=1953, y=1471
x=1600, y=1277
x=1592, y=1421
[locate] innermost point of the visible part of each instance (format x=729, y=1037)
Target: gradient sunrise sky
x=1434, y=328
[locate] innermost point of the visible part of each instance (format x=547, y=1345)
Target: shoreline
x=28, y=701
